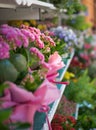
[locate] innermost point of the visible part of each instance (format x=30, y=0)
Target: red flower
x=61, y=122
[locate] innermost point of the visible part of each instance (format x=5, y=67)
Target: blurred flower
x=66, y=35
x=37, y=79
x=68, y=75
x=87, y=46
x=4, y=49
x=63, y=122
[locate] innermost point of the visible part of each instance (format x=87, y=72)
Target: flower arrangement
x=61, y=122
x=28, y=70
x=66, y=107
x=67, y=38
x=81, y=89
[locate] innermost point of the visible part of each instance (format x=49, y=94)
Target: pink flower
x=35, y=51
x=48, y=39
x=85, y=56
x=25, y=103
x=28, y=34
x=35, y=30
x=87, y=46
x=13, y=36
x=56, y=63
x=4, y=50
x=39, y=42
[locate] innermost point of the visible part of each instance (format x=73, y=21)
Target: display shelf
x=40, y=118
x=54, y=107
x=77, y=110
x=22, y=9
x=60, y=87
x=27, y=3
x=67, y=63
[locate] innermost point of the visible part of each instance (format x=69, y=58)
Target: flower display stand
x=40, y=117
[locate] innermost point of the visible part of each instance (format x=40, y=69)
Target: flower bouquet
x=28, y=70
x=61, y=122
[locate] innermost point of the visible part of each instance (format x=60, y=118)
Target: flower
x=68, y=75
x=4, y=49
x=66, y=35
x=63, y=122
x=25, y=103
x=55, y=63
x=33, y=87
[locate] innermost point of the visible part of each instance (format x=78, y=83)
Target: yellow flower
x=40, y=27
x=26, y=23
x=74, y=80
x=16, y=23
x=33, y=22
x=68, y=75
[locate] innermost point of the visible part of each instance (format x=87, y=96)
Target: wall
x=90, y=16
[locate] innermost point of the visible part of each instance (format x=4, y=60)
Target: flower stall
x=32, y=65
x=28, y=72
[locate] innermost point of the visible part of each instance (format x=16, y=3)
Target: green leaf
x=2, y=87
x=21, y=126
x=3, y=127
x=4, y=114
x=82, y=90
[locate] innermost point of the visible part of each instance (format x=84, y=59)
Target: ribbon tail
x=46, y=109
x=59, y=82
x=49, y=125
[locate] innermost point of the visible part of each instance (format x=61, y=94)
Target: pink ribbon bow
x=25, y=103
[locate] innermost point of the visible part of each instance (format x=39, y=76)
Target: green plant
x=92, y=69
x=86, y=119
x=82, y=89
x=78, y=23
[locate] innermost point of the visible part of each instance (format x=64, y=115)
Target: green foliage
x=72, y=6
x=3, y=127
x=60, y=46
x=4, y=114
x=8, y=71
x=20, y=126
x=32, y=86
x=92, y=69
x=81, y=90
x=78, y=23
x=88, y=39
x=86, y=119
x=2, y=87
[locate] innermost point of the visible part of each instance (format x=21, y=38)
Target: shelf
x=27, y=3
x=54, y=107
x=63, y=70
x=19, y=14
x=60, y=87
x=22, y=9
x=77, y=110
x=40, y=118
